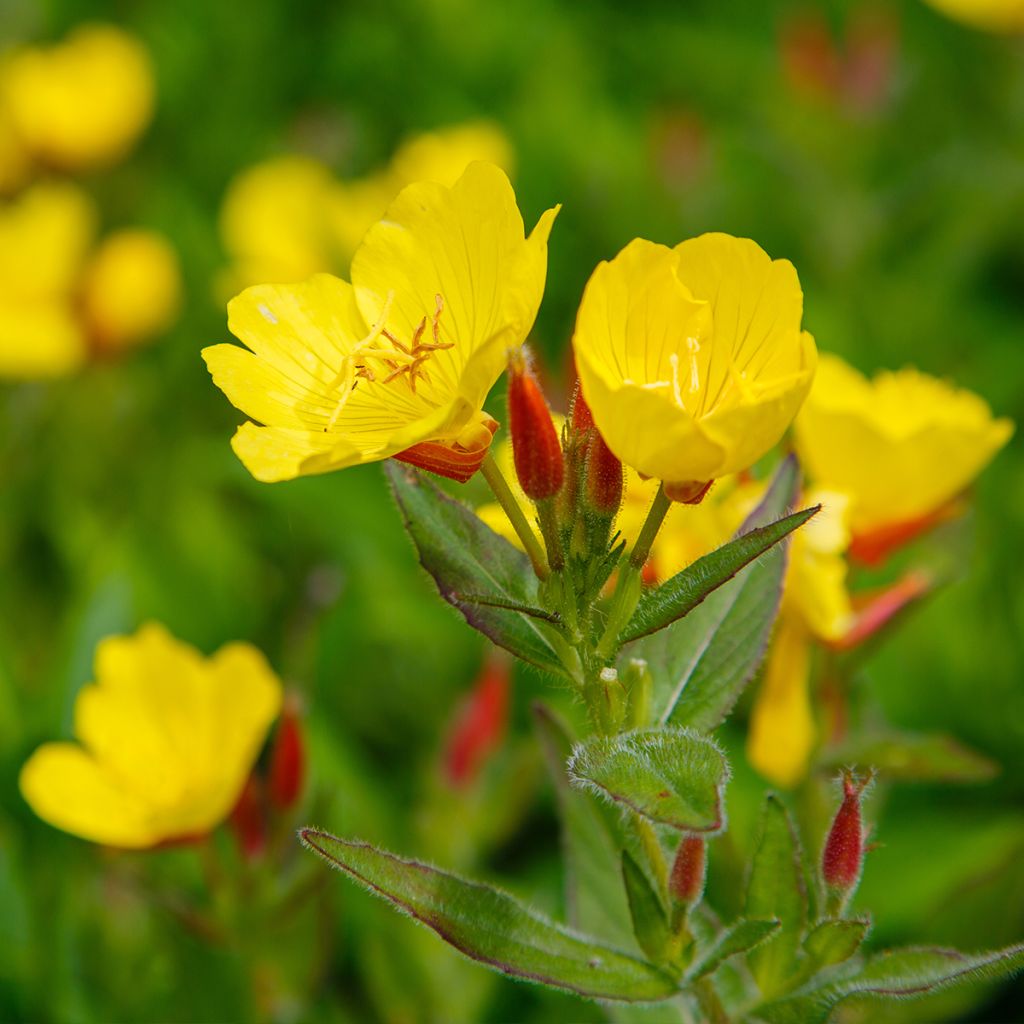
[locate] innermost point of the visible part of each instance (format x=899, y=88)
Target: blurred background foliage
x=877, y=145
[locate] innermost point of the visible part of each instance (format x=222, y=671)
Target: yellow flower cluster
x=166, y=741
x=991, y=15
x=66, y=294
x=289, y=217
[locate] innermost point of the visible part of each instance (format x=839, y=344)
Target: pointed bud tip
x=536, y=449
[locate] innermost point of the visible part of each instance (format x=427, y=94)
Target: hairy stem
x=507, y=500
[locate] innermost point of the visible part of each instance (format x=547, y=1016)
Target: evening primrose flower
x=81, y=102
x=901, y=446
x=167, y=739
x=399, y=362
x=131, y=289
x=692, y=359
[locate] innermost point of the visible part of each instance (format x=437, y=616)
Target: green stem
x=548, y=517
x=627, y=590
x=507, y=500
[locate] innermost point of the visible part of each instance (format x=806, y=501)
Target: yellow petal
x=66, y=787
x=900, y=446
x=466, y=244
x=782, y=730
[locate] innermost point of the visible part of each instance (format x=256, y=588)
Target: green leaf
x=663, y=605
x=740, y=938
x=701, y=663
x=466, y=557
x=650, y=924
x=777, y=889
x=911, y=758
x=594, y=897
x=492, y=927
x=899, y=974
x=671, y=776
x=832, y=942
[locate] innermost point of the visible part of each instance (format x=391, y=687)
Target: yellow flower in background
x=131, y=289
x=45, y=234
x=81, y=102
x=782, y=730
x=341, y=374
x=900, y=446
x=442, y=155
x=692, y=359
x=288, y=218
x=993, y=15
x=14, y=158
x=274, y=223
x=167, y=739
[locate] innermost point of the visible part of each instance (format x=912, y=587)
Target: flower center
x=383, y=358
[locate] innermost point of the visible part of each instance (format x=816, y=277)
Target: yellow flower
x=782, y=731
x=131, y=290
x=167, y=741
x=14, y=158
x=44, y=236
x=81, y=102
x=442, y=155
x=342, y=374
x=993, y=15
x=900, y=446
x=273, y=221
x=692, y=359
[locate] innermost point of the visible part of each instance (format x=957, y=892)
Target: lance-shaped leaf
x=594, y=897
x=899, y=974
x=650, y=923
x=777, y=889
x=740, y=938
x=671, y=776
x=493, y=927
x=701, y=663
x=911, y=757
x=832, y=942
x=472, y=565
x=678, y=596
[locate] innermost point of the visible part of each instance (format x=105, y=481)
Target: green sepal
x=492, y=927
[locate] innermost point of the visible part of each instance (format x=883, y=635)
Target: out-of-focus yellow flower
x=166, y=741
x=993, y=15
x=782, y=730
x=81, y=102
x=342, y=374
x=900, y=446
x=442, y=155
x=275, y=221
x=692, y=359
x=353, y=208
x=131, y=289
x=45, y=234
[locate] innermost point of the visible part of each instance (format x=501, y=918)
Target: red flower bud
x=580, y=415
x=248, y=820
x=604, y=477
x=843, y=856
x=686, y=883
x=535, y=446
x=480, y=724
x=287, y=758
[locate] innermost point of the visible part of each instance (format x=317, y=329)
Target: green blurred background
x=880, y=147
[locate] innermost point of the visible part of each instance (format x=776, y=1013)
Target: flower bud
x=686, y=883
x=287, y=758
x=843, y=856
x=536, y=449
x=580, y=416
x=479, y=725
x=604, y=477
